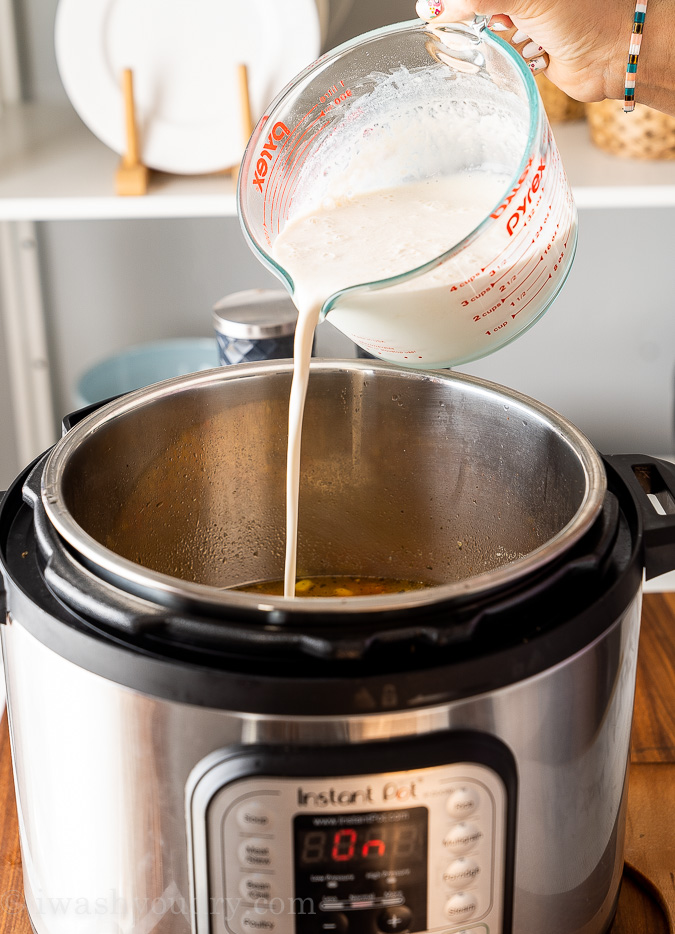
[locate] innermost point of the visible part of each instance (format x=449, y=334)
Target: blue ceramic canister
x=258, y=324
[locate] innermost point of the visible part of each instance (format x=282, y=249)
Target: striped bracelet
x=633, y=53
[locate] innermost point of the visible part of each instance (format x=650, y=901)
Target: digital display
x=369, y=838
x=370, y=867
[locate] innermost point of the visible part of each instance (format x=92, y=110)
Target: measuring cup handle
x=647, y=477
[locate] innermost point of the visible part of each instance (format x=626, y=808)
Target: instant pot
x=189, y=758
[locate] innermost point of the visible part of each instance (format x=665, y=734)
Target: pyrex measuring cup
x=404, y=104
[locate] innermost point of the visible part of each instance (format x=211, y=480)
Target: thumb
x=453, y=11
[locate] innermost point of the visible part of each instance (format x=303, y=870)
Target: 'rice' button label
x=462, y=801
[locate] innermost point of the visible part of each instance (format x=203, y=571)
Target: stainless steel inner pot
x=179, y=489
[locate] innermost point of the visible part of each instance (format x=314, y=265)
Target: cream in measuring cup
x=407, y=186
x=383, y=234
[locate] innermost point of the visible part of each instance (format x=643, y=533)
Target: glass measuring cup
x=405, y=104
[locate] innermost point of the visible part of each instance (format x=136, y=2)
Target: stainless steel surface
x=178, y=490
x=101, y=774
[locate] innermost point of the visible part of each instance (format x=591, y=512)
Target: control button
x=253, y=817
x=460, y=906
x=255, y=853
x=462, y=801
x=397, y=918
x=462, y=837
x=335, y=923
x=261, y=921
x=256, y=888
x=461, y=872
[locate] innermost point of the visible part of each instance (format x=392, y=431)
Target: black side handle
x=651, y=481
x=69, y=421
x=3, y=592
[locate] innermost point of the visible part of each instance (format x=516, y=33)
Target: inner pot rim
x=170, y=591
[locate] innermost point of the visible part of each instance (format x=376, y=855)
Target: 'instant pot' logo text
x=323, y=799
x=279, y=132
x=520, y=208
x=391, y=791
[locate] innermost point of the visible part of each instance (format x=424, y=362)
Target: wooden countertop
x=647, y=901
x=649, y=881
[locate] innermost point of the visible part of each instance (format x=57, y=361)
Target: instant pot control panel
x=416, y=849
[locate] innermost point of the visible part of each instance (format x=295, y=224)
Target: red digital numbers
x=373, y=848
x=359, y=845
x=345, y=846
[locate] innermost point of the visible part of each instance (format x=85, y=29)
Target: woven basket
x=558, y=106
x=643, y=134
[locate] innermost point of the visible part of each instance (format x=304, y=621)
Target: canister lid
x=256, y=314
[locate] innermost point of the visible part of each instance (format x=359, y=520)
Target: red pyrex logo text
x=527, y=200
x=279, y=132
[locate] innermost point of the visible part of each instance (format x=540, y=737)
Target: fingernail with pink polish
x=537, y=64
x=429, y=9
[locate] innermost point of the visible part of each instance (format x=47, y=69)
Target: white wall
x=9, y=462
x=604, y=354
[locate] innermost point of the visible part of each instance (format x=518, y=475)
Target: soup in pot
x=336, y=587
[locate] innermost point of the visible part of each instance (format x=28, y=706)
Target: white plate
x=184, y=54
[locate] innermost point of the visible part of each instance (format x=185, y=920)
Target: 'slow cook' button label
x=255, y=852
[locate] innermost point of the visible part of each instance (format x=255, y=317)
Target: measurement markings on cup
x=268, y=165
x=290, y=182
x=284, y=171
x=525, y=282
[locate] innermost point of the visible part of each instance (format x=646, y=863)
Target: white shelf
x=53, y=168
x=600, y=180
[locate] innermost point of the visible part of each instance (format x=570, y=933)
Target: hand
x=587, y=43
